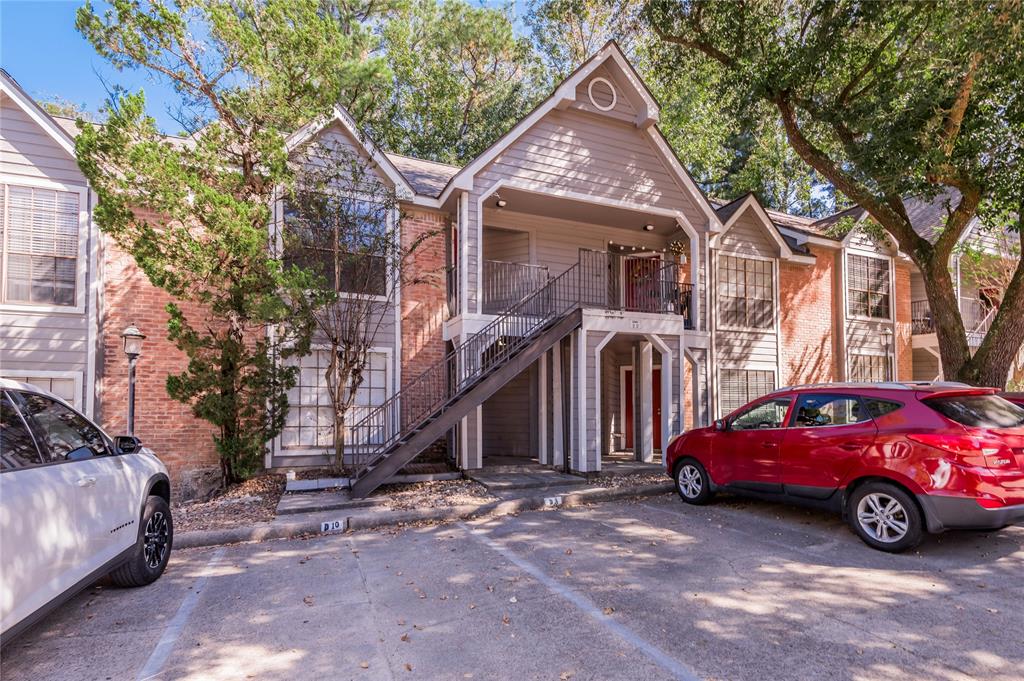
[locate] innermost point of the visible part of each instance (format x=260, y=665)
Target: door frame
x=622, y=402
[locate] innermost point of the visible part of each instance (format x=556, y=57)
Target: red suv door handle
x=850, y=446
x=768, y=445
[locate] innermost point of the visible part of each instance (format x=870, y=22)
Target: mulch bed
x=436, y=494
x=252, y=501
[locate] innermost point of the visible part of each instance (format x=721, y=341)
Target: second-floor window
x=39, y=233
x=746, y=292
x=868, y=286
x=344, y=241
x=870, y=368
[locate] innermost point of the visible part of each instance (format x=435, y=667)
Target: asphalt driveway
x=646, y=590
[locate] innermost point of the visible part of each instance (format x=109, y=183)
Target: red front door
x=639, y=275
x=655, y=403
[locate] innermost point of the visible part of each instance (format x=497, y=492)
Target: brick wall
x=807, y=306
x=902, y=335
x=424, y=303
x=182, y=441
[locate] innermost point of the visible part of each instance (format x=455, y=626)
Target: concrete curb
x=366, y=521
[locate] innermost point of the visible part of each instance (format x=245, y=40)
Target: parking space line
x=158, y=658
x=656, y=654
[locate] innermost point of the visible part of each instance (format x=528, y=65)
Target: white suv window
x=17, y=446
x=66, y=434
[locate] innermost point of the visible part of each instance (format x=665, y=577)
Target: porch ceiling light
x=500, y=202
x=648, y=227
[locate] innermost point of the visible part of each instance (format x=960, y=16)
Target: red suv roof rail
x=953, y=392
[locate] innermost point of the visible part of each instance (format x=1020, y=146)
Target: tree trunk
x=949, y=325
x=998, y=352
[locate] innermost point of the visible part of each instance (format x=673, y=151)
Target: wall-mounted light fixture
x=500, y=202
x=648, y=227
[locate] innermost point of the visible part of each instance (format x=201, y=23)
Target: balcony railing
x=635, y=284
x=976, y=315
x=506, y=283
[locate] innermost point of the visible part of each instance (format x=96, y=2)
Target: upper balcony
x=977, y=317
x=608, y=281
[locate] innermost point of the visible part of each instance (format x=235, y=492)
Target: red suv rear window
x=979, y=411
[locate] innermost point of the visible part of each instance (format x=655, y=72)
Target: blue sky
x=41, y=49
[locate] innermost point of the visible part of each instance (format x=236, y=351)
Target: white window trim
x=389, y=391
x=847, y=252
x=590, y=93
x=81, y=263
x=21, y=374
x=774, y=327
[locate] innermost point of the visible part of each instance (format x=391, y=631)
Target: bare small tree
x=341, y=222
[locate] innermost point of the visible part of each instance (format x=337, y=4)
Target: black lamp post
x=132, y=348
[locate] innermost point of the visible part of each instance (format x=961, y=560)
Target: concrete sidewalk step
x=311, y=502
x=527, y=479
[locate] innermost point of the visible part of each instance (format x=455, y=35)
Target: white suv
x=74, y=505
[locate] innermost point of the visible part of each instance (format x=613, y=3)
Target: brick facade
x=183, y=442
x=424, y=300
x=902, y=333
x=808, y=310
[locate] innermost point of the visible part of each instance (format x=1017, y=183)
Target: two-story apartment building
x=591, y=298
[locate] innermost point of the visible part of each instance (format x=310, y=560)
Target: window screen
x=745, y=292
x=739, y=386
x=868, y=282
x=40, y=242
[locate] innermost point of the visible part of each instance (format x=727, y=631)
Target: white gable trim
x=11, y=88
x=752, y=202
x=339, y=115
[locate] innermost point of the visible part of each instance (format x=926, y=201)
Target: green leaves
x=195, y=211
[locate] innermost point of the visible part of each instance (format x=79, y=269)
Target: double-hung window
x=868, y=283
x=870, y=368
x=739, y=386
x=746, y=292
x=346, y=241
x=40, y=233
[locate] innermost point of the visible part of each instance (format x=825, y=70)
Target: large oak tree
x=889, y=100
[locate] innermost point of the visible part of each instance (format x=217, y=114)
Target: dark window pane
x=770, y=414
x=17, y=448
x=881, y=407
x=868, y=284
x=828, y=410
x=979, y=411
x=66, y=434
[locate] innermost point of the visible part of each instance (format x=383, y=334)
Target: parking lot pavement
x=640, y=590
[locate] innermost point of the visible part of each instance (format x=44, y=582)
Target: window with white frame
x=736, y=387
x=310, y=420
x=868, y=285
x=61, y=386
x=746, y=292
x=39, y=233
x=870, y=368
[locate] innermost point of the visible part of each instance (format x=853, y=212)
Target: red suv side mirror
x=720, y=424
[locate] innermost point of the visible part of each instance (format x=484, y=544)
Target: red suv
x=895, y=459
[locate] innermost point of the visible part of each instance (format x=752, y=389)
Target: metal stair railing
x=426, y=395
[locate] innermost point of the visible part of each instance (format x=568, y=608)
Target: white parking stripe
x=656, y=654
x=158, y=658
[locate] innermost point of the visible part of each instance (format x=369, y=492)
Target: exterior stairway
x=431, y=404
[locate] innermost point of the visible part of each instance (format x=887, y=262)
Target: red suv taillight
x=970, y=450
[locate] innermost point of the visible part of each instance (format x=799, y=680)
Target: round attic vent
x=602, y=94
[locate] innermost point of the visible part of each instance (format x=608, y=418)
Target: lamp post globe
x=132, y=338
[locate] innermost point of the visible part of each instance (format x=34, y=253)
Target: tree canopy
x=888, y=100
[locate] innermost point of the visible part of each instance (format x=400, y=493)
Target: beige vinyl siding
x=926, y=365
x=506, y=245
x=748, y=236
x=558, y=242
x=53, y=340
x=582, y=153
x=27, y=150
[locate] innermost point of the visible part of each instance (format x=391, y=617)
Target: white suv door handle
x=87, y=482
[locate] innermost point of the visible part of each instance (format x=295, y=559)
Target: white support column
x=579, y=363
x=645, y=441
x=542, y=409
x=558, y=420
x=471, y=440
